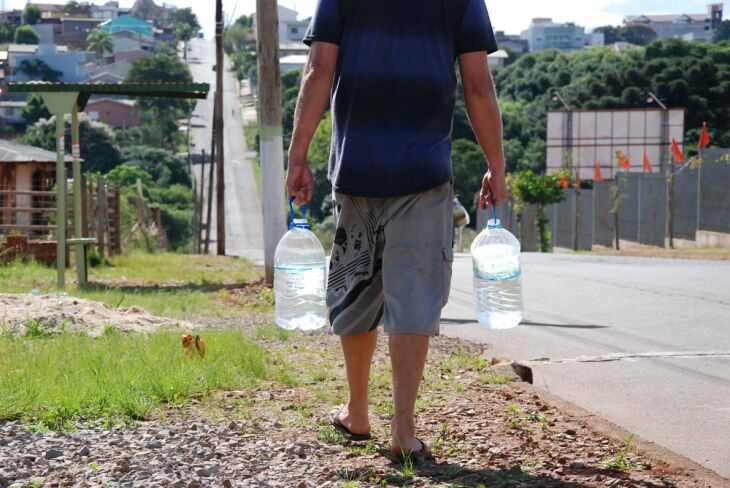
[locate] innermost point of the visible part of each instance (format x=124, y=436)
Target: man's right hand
x=494, y=187
x=299, y=181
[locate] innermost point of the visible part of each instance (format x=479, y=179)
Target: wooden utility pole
x=270, y=130
x=200, y=202
x=218, y=128
x=206, y=248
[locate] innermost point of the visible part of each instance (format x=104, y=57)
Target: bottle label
x=497, y=270
x=305, y=280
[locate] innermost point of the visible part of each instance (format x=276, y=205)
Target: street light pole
x=667, y=165
x=569, y=145
x=218, y=131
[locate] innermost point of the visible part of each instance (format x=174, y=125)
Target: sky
x=589, y=13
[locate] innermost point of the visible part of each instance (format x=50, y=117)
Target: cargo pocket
x=448, y=254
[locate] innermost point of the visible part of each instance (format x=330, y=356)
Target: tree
x=638, y=34
x=7, y=32
x=187, y=16
x=611, y=34
x=39, y=70
x=722, y=32
x=99, y=147
x=77, y=9
x=184, y=32
x=529, y=188
x=162, y=165
x=100, y=41
x=31, y=15
x=165, y=111
x=469, y=168
x=35, y=110
x=26, y=35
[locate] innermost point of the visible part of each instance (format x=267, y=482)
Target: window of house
x=295, y=30
x=94, y=115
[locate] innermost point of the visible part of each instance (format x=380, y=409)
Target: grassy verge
x=172, y=285
x=66, y=377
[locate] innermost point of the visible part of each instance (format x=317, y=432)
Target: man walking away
x=387, y=67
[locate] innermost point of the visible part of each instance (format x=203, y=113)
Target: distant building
x=692, y=27
x=543, y=34
x=119, y=114
x=11, y=111
x=513, y=42
x=111, y=73
x=75, y=31
x=292, y=61
x=498, y=60
x=51, y=10
x=110, y=10
x=130, y=56
x=130, y=24
x=290, y=28
x=132, y=41
x=14, y=17
x=71, y=64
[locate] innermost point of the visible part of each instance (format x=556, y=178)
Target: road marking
x=629, y=356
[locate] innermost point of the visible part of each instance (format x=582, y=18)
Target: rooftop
x=11, y=152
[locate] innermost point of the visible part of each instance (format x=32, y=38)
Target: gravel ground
x=496, y=435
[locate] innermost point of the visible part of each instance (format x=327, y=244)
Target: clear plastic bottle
x=497, y=277
x=299, y=279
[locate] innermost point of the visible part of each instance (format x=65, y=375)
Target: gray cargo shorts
x=391, y=262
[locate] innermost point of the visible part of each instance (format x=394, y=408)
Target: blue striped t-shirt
x=394, y=91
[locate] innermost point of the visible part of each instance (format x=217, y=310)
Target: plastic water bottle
x=299, y=278
x=495, y=257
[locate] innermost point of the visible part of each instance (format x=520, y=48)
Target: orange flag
x=623, y=161
x=647, y=163
x=564, y=182
x=704, y=137
x=597, y=176
x=677, y=152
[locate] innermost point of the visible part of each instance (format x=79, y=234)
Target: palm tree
x=100, y=42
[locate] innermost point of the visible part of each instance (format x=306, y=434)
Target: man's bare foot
x=356, y=426
x=415, y=447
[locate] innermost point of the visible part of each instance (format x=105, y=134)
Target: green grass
x=622, y=460
x=68, y=377
x=171, y=285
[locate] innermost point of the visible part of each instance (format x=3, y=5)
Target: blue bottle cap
x=299, y=224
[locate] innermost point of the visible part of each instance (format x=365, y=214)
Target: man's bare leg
x=408, y=357
x=358, y=351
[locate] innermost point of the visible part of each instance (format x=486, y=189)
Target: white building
x=692, y=27
x=543, y=34
x=290, y=28
x=71, y=64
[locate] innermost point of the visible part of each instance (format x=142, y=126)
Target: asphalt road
x=643, y=342
x=244, y=225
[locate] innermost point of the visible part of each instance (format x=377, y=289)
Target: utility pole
x=218, y=130
x=270, y=124
x=201, y=204
x=208, y=218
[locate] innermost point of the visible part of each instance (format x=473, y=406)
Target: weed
x=494, y=379
x=513, y=475
x=462, y=360
x=331, y=435
x=367, y=449
x=443, y=435
x=621, y=460
x=453, y=471
x=94, y=466
x=408, y=470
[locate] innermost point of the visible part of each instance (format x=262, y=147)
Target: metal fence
x=701, y=203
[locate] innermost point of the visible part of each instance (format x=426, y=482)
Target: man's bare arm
x=313, y=98
x=485, y=117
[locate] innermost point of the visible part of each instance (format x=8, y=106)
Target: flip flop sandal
x=337, y=424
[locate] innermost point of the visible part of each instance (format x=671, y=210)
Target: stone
x=203, y=473
x=53, y=454
x=577, y=464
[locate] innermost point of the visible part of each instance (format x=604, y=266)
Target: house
x=693, y=27
x=287, y=48
x=543, y=34
x=128, y=23
x=13, y=17
x=498, y=60
x=116, y=113
x=71, y=64
x=110, y=10
x=290, y=28
x=512, y=42
x=125, y=41
x=47, y=32
x=111, y=73
x=130, y=56
x=75, y=31
x=292, y=61
x=11, y=111
x=51, y=10
x=25, y=169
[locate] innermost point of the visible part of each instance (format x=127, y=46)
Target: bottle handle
x=291, y=209
x=494, y=210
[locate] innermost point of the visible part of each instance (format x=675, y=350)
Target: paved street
x=593, y=312
x=244, y=226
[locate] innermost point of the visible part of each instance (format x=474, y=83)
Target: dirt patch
x=482, y=432
x=28, y=314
